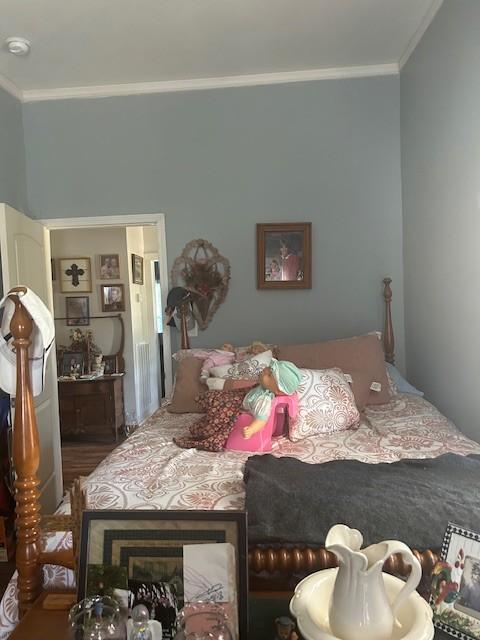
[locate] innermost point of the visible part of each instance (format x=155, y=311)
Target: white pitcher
x=359, y=607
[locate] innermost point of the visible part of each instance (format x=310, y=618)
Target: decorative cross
x=74, y=271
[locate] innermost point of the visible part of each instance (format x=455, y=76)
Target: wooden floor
x=78, y=459
x=81, y=458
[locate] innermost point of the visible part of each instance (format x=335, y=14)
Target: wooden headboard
x=26, y=457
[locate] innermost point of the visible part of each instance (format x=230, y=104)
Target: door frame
x=131, y=220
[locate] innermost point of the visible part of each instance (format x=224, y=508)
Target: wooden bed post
x=388, y=339
x=26, y=458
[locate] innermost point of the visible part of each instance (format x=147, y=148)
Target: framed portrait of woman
x=284, y=255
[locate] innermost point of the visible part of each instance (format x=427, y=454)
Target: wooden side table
x=40, y=623
x=91, y=407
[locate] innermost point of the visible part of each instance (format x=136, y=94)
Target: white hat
x=43, y=336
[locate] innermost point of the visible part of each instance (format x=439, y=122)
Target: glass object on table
x=203, y=621
x=96, y=618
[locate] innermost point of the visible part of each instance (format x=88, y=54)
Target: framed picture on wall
x=109, y=266
x=75, y=275
x=78, y=313
x=284, y=255
x=112, y=297
x=137, y=269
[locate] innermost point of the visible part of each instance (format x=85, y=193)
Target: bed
x=148, y=471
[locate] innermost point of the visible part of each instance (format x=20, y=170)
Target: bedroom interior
x=383, y=164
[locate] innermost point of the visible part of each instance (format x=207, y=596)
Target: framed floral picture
x=284, y=255
x=455, y=591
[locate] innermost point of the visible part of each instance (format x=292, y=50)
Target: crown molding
x=199, y=84
x=420, y=32
x=11, y=88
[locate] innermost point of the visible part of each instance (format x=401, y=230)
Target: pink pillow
x=325, y=404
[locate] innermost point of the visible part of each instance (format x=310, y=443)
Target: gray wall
x=440, y=105
x=12, y=155
x=217, y=162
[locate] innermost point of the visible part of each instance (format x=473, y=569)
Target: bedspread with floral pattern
x=148, y=471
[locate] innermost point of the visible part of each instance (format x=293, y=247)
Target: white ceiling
x=85, y=43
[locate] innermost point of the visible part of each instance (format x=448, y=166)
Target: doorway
x=117, y=385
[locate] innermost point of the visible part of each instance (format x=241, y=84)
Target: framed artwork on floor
x=75, y=275
x=284, y=255
x=455, y=595
x=188, y=556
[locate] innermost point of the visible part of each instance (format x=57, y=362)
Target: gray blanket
x=411, y=500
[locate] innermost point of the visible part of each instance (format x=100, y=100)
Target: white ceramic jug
x=359, y=607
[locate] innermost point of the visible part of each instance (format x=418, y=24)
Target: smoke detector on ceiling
x=18, y=46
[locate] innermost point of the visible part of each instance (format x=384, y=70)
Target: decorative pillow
x=187, y=387
x=217, y=384
x=325, y=404
x=211, y=431
x=398, y=382
x=362, y=353
x=249, y=369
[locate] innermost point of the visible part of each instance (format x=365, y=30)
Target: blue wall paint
x=440, y=105
x=12, y=156
x=217, y=162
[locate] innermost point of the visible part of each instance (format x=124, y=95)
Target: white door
x=25, y=255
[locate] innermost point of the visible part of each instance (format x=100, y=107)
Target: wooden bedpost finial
x=388, y=339
x=26, y=458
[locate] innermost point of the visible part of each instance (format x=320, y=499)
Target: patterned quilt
x=148, y=471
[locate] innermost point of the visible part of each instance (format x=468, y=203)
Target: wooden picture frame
x=284, y=255
x=154, y=547
x=75, y=275
x=456, y=584
x=109, y=266
x=73, y=363
x=110, y=365
x=137, y=269
x=112, y=297
x=77, y=311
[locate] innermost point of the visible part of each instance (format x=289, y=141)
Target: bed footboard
x=281, y=568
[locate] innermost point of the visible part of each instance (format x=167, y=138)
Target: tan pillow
x=187, y=387
x=352, y=355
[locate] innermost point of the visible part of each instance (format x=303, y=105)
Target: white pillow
x=249, y=369
x=325, y=404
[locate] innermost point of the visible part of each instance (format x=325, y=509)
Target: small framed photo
x=109, y=266
x=75, y=275
x=284, y=255
x=110, y=365
x=73, y=363
x=137, y=269
x=78, y=311
x=185, y=556
x=113, y=297
x=455, y=591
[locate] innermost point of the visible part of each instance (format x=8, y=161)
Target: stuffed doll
x=285, y=629
x=281, y=378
